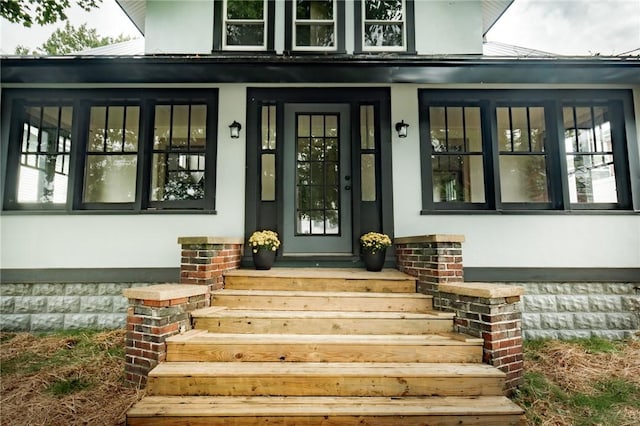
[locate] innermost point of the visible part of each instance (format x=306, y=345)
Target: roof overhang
x=348, y=69
x=136, y=10
x=492, y=10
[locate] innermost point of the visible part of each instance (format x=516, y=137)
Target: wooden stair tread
x=216, y=312
x=303, y=293
x=204, y=406
x=324, y=273
x=323, y=369
x=204, y=337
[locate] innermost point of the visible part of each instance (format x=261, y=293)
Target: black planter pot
x=263, y=259
x=374, y=261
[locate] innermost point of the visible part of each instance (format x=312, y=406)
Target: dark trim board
x=91, y=275
x=172, y=275
x=361, y=69
x=552, y=274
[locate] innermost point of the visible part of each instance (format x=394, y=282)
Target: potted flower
x=263, y=248
x=374, y=249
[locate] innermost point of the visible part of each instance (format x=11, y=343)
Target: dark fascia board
x=319, y=69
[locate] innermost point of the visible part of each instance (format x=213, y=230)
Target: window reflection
x=45, y=154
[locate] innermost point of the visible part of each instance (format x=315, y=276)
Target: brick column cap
x=433, y=238
x=210, y=240
x=483, y=290
x=162, y=292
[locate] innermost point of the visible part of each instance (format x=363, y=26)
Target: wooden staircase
x=323, y=347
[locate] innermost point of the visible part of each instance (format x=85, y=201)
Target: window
x=368, y=153
x=589, y=154
x=45, y=151
x=315, y=25
x=112, y=154
x=457, y=162
x=179, y=153
x=384, y=26
x=132, y=150
x=244, y=25
x=268, y=153
x=524, y=150
x=523, y=161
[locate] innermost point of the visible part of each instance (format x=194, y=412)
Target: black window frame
x=219, y=28
x=625, y=147
x=82, y=100
x=340, y=44
x=410, y=31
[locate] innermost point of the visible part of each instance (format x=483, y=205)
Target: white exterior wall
x=443, y=27
x=448, y=27
x=179, y=26
x=507, y=240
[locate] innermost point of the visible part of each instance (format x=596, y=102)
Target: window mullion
x=556, y=149
x=491, y=153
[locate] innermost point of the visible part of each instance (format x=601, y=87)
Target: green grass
x=68, y=386
x=77, y=347
x=597, y=345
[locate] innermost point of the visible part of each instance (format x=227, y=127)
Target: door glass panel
x=268, y=177
x=368, y=176
x=317, y=174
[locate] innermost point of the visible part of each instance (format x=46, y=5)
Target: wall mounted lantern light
x=401, y=128
x=234, y=129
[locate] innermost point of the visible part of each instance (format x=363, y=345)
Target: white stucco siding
x=506, y=240
x=179, y=26
x=448, y=27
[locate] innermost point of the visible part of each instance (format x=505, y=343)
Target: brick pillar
x=433, y=259
x=156, y=313
x=492, y=312
x=205, y=259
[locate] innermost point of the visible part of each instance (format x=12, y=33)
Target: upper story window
x=244, y=25
x=117, y=150
x=384, y=26
x=525, y=150
x=315, y=25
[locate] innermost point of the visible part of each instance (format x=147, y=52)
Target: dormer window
x=384, y=26
x=315, y=25
x=244, y=25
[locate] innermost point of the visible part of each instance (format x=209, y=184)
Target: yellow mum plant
x=264, y=240
x=374, y=241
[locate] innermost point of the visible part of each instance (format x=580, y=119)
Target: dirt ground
x=77, y=378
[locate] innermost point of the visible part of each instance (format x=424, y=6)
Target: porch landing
x=326, y=273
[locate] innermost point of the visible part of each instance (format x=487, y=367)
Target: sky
x=564, y=27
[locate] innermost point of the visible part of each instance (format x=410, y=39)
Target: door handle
x=347, y=187
x=347, y=177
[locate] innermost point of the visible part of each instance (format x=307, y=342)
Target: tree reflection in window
x=179, y=148
x=112, y=154
x=45, y=154
x=384, y=25
x=315, y=24
x=245, y=23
